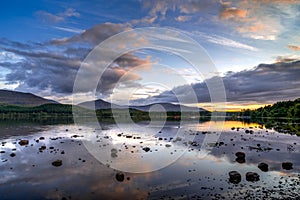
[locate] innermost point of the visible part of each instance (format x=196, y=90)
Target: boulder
x=57, y=163
x=234, y=177
x=12, y=155
x=23, y=142
x=42, y=148
x=252, y=176
x=146, y=149
x=240, y=155
x=263, y=167
x=120, y=177
x=287, y=165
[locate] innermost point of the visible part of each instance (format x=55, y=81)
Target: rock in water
x=240, y=160
x=12, y=155
x=263, y=167
x=57, y=163
x=146, y=149
x=235, y=177
x=23, y=142
x=120, y=177
x=240, y=155
x=287, y=165
x=252, y=176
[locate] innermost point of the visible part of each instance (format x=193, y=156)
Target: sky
x=253, y=44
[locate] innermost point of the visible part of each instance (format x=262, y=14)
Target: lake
x=146, y=161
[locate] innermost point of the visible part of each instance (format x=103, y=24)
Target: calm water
x=175, y=165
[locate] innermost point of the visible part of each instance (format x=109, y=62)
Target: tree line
x=282, y=109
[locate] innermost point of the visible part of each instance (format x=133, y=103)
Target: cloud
x=294, y=48
x=216, y=39
x=158, y=10
x=261, y=20
x=193, y=6
x=52, y=66
x=59, y=17
x=264, y=83
x=287, y=58
x=279, y=1
x=233, y=13
x=183, y=18
x=94, y=35
x=71, y=30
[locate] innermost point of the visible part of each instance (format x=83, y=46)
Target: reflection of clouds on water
x=81, y=176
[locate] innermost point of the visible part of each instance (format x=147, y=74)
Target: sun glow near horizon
x=231, y=107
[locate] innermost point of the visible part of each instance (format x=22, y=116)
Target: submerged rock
x=194, y=144
x=114, y=153
x=287, y=165
x=240, y=160
x=252, y=176
x=263, y=167
x=168, y=145
x=234, y=177
x=120, y=177
x=57, y=163
x=23, y=142
x=240, y=157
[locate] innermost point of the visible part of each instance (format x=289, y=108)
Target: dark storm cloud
x=265, y=83
x=53, y=66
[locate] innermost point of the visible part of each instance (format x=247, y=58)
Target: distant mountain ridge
x=98, y=104
x=22, y=99
x=8, y=97
x=169, y=107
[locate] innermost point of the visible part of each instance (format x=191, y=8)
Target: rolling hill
x=8, y=97
x=99, y=104
x=169, y=107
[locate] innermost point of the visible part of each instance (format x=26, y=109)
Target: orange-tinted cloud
x=233, y=13
x=253, y=18
x=294, y=48
x=259, y=26
x=183, y=18
x=279, y=1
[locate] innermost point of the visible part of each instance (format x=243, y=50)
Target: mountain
x=22, y=99
x=99, y=104
x=169, y=107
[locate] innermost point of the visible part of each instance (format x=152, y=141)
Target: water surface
x=188, y=175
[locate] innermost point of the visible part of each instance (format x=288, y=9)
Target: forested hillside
x=283, y=109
